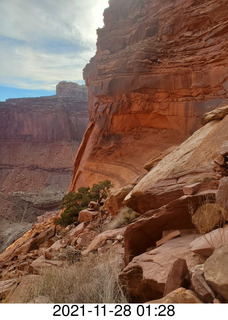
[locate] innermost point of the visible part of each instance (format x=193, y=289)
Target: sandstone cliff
x=159, y=66
x=38, y=141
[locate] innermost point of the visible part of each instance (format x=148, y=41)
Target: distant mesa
x=71, y=89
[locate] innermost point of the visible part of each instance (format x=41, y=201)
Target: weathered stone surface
x=206, y=244
x=71, y=89
x=168, y=237
x=178, y=276
x=41, y=299
x=144, y=232
x=39, y=138
x=144, y=278
x=6, y=287
x=153, y=162
x=77, y=230
x=31, y=240
x=216, y=271
x=208, y=216
x=41, y=263
x=87, y=215
x=84, y=239
x=218, y=113
x=219, y=159
x=222, y=194
x=146, y=89
x=191, y=189
x=115, y=201
x=24, y=290
x=193, y=155
x=101, y=239
x=224, y=149
x=200, y=286
x=180, y=295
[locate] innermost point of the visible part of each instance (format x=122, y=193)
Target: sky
x=43, y=42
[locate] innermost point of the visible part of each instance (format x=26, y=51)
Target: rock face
x=189, y=163
x=145, y=276
x=38, y=141
x=150, y=82
x=216, y=273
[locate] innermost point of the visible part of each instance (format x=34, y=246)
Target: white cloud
x=46, y=41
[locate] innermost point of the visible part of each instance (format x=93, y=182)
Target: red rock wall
x=159, y=66
x=38, y=141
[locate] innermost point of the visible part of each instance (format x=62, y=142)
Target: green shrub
x=72, y=203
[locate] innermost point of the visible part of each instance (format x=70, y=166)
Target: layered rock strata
x=38, y=141
x=159, y=66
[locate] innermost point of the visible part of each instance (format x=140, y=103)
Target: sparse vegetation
x=91, y=280
x=73, y=203
x=125, y=216
x=207, y=217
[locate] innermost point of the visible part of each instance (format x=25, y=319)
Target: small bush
x=125, y=216
x=73, y=203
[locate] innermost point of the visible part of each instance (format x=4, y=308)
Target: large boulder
x=6, y=286
x=216, y=271
x=145, y=277
x=115, y=201
x=41, y=263
x=25, y=289
x=146, y=231
x=180, y=295
x=193, y=155
x=200, y=286
x=178, y=276
x=207, y=243
x=208, y=216
x=87, y=215
x=102, y=238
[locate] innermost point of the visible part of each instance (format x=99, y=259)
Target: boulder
x=168, y=237
x=222, y=194
x=218, y=113
x=101, y=239
x=200, y=286
x=38, y=235
x=42, y=263
x=224, y=149
x=147, y=230
x=206, y=184
x=77, y=230
x=114, y=202
x=85, y=238
x=207, y=243
x=190, y=162
x=25, y=289
x=208, y=216
x=6, y=286
x=180, y=295
x=87, y=215
x=216, y=271
x=219, y=159
x=178, y=276
x=154, y=161
x=145, y=277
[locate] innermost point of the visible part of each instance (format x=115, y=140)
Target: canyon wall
x=38, y=141
x=159, y=66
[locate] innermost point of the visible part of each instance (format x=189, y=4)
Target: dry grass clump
x=125, y=216
x=87, y=281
